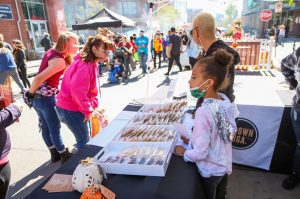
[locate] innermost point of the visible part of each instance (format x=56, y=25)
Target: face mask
x=195, y=91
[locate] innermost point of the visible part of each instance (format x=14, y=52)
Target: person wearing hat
x=142, y=44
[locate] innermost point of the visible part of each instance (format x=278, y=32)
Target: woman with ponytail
x=44, y=88
x=78, y=97
x=209, y=145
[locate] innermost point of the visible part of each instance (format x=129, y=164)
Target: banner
x=255, y=140
x=5, y=11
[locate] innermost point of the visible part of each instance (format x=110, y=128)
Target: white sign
x=278, y=7
x=255, y=140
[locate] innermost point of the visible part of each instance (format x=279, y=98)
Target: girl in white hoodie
x=209, y=145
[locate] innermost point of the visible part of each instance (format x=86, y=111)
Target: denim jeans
x=75, y=122
x=13, y=73
x=295, y=117
x=50, y=124
x=143, y=61
x=280, y=40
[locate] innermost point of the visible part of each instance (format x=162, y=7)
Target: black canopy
x=104, y=18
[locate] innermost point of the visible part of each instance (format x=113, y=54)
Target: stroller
x=116, y=66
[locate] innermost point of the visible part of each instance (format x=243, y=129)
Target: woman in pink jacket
x=77, y=98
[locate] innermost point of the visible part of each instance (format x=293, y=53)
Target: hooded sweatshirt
x=290, y=68
x=228, y=88
x=8, y=116
x=6, y=60
x=210, y=144
x=79, y=88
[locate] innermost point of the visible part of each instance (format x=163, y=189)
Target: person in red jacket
x=127, y=47
x=134, y=51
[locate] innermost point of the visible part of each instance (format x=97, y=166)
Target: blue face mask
x=195, y=91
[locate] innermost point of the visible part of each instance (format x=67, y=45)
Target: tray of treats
x=146, y=133
x=168, y=107
x=156, y=118
x=145, y=159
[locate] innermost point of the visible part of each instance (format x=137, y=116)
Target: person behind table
x=78, y=96
x=20, y=59
x=290, y=67
x=8, y=66
x=44, y=88
x=8, y=116
x=203, y=33
x=209, y=145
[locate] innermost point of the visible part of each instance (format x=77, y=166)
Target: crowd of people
x=76, y=98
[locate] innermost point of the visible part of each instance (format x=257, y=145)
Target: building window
x=128, y=8
x=33, y=1
x=25, y=11
x=285, y=18
x=36, y=11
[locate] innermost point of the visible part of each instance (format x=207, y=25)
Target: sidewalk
x=280, y=52
x=33, y=67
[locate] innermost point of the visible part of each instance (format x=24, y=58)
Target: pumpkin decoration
x=94, y=192
x=97, y=191
x=235, y=44
x=86, y=174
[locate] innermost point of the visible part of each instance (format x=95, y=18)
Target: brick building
x=290, y=16
x=27, y=20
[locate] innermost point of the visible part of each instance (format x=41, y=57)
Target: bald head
x=206, y=23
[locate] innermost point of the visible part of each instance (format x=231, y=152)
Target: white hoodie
x=210, y=143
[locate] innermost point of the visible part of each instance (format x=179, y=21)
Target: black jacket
x=20, y=58
x=228, y=89
x=289, y=68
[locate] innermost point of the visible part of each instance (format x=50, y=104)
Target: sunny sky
x=213, y=5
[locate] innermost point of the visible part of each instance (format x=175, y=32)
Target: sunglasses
x=191, y=31
x=104, y=51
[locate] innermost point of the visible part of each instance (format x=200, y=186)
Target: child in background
x=158, y=48
x=116, y=70
x=209, y=146
x=117, y=67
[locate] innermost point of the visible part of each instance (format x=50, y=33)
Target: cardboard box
x=134, y=169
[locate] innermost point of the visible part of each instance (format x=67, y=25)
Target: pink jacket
x=79, y=88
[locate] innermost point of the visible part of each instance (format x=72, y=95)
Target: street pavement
x=29, y=157
x=281, y=52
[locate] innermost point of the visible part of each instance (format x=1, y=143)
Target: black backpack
x=119, y=52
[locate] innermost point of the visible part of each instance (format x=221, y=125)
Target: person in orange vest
x=157, y=44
